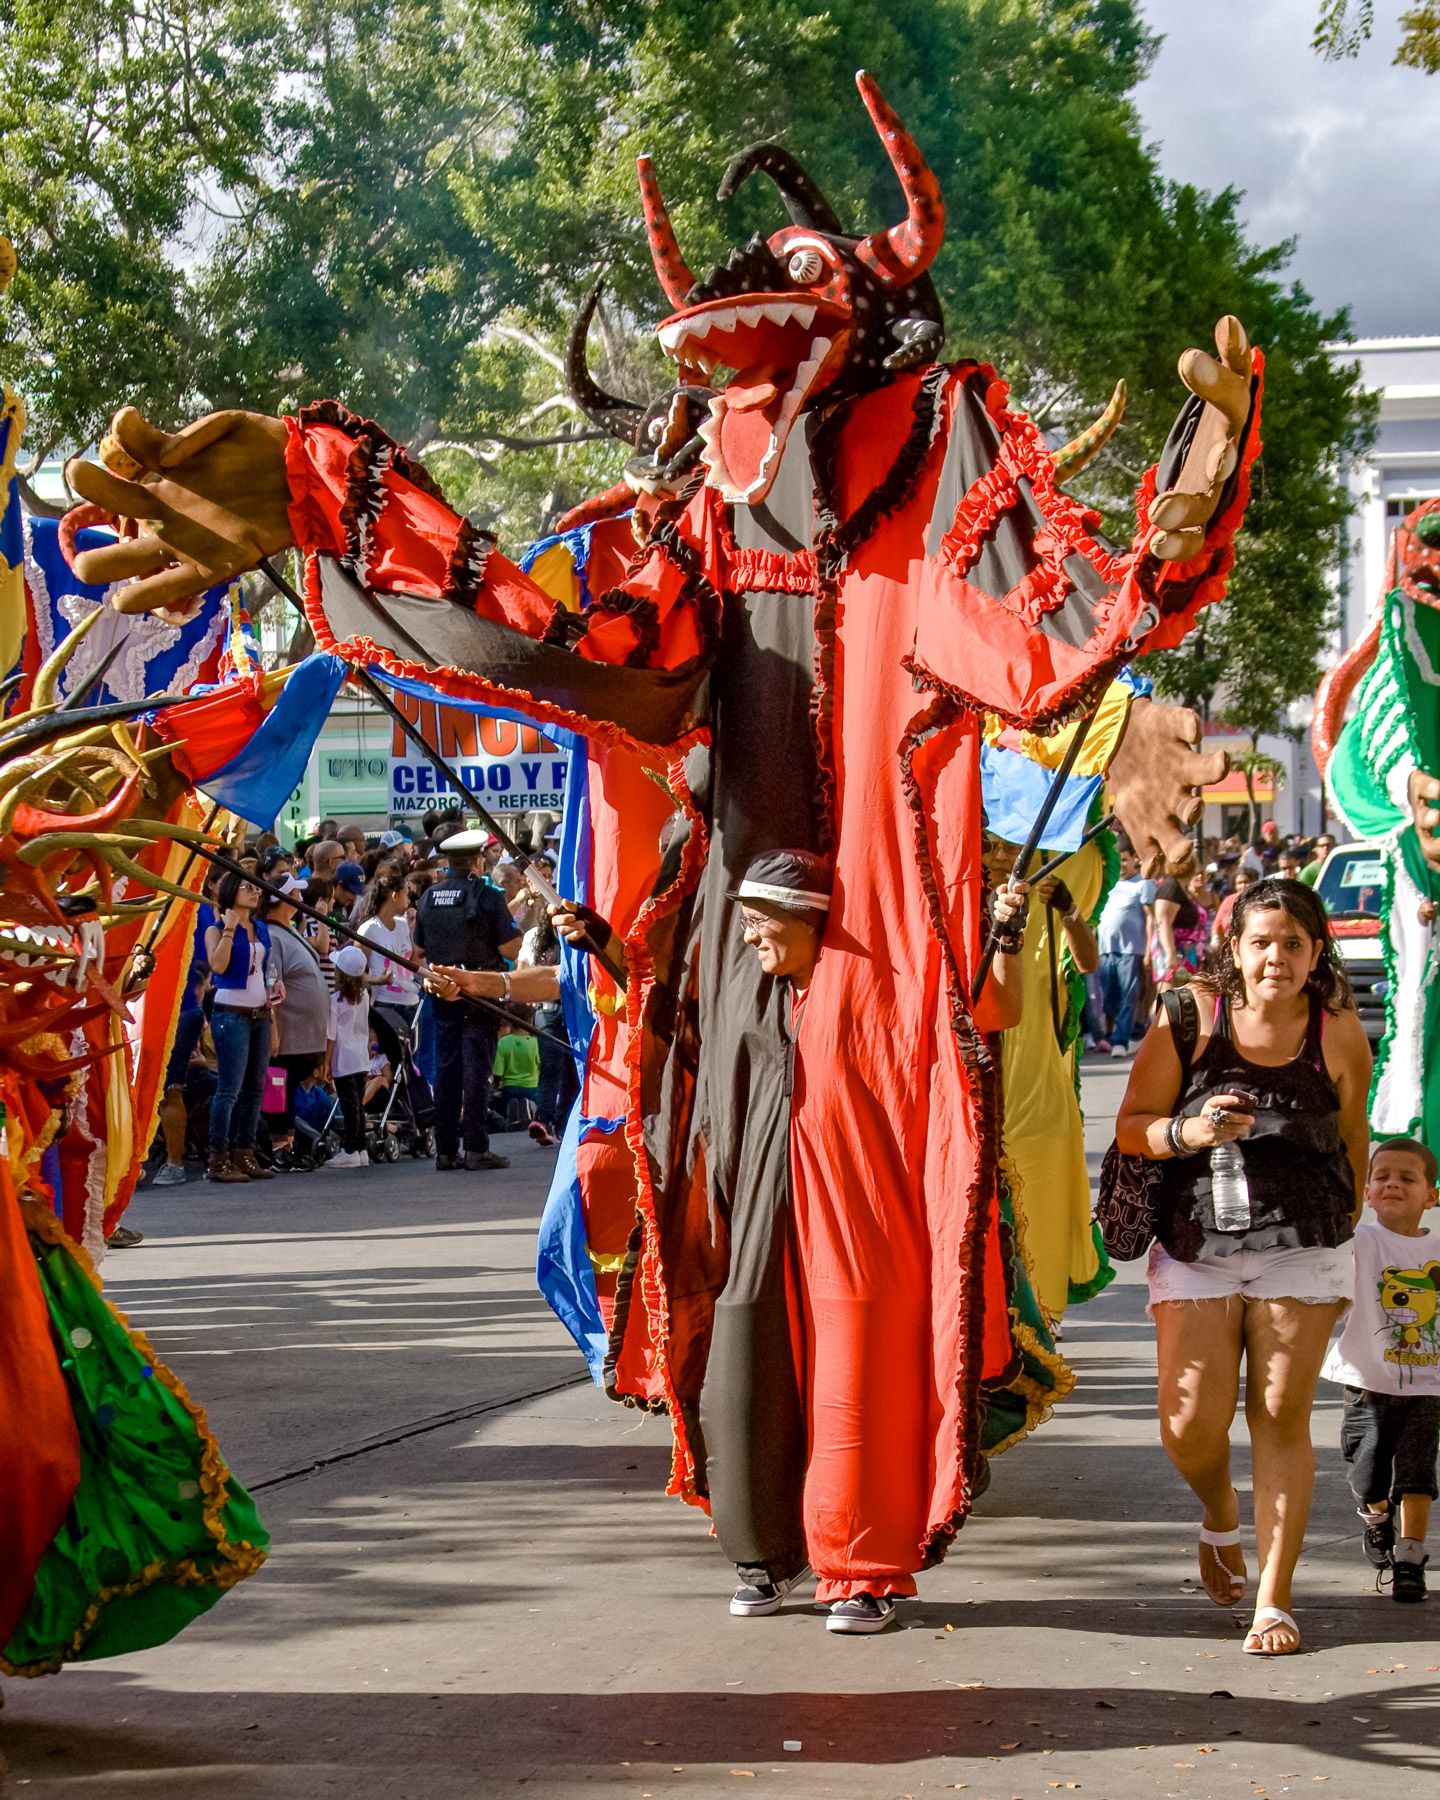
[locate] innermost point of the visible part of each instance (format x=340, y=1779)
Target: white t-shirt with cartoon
x=1391, y=1340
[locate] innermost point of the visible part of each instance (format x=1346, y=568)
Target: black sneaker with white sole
x=1379, y=1538
x=1408, y=1581
x=761, y=1595
x=861, y=1615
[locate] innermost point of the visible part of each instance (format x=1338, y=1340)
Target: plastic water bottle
x=1229, y=1189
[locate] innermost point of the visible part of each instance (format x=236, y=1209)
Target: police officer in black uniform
x=464, y=921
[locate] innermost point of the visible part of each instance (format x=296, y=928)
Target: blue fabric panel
x=257, y=783
x=563, y=1269
x=1013, y=789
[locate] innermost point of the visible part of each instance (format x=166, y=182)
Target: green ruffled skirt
x=158, y=1528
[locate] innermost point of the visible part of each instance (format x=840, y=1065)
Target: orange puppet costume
x=877, y=556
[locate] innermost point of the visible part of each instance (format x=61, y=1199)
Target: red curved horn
x=906, y=250
x=670, y=265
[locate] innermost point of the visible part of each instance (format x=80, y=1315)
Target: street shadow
x=510, y=1735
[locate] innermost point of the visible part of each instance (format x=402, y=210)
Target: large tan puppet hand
x=1423, y=793
x=1154, y=777
x=1183, y=512
x=211, y=500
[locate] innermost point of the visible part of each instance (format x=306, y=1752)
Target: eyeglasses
x=753, y=921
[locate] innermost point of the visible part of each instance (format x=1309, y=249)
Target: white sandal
x=1222, y=1540
x=1267, y=1619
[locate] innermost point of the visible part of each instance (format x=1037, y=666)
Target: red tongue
x=747, y=436
x=756, y=386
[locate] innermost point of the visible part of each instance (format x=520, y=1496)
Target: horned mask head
x=809, y=311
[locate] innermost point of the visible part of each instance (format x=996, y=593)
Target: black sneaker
x=485, y=1159
x=861, y=1615
x=1379, y=1538
x=1408, y=1581
x=754, y=1599
x=448, y=1162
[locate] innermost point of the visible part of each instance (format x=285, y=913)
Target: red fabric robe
x=945, y=576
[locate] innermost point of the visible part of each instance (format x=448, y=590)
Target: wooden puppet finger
x=126, y=499
x=124, y=561
x=173, y=586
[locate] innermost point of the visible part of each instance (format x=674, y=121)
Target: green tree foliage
x=1342, y=26
x=401, y=202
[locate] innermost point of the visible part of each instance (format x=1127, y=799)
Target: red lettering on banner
x=457, y=732
x=498, y=737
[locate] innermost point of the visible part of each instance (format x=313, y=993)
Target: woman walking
x=1250, y=1092
x=302, y=1017
x=236, y=948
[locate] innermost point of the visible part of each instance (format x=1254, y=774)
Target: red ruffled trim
x=641, y=966
x=1024, y=455
x=982, y=1198
x=769, y=572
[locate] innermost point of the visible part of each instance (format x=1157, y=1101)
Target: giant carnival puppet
x=875, y=555
x=1380, y=769
x=119, y=1520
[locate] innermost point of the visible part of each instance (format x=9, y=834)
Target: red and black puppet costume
x=878, y=555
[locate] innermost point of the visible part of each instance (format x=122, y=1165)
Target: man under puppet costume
x=877, y=554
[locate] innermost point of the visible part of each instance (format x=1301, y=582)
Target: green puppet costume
x=1394, y=729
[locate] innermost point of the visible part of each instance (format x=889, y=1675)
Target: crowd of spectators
x=1155, y=934
x=298, y=1047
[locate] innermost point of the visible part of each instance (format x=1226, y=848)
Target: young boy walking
x=1388, y=1360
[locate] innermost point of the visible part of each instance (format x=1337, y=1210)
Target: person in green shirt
x=517, y=1076
x=1319, y=850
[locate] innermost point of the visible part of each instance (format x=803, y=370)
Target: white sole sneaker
x=762, y=1606
x=858, y=1624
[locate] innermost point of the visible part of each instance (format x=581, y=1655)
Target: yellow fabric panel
x=554, y=570
x=1100, y=740
x=1044, y=1134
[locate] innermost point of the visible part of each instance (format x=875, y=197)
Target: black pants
x=350, y=1092
x=1389, y=1444
x=558, y=1082
x=752, y=1415
x=464, y=1064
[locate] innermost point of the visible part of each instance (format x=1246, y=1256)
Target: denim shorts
x=1315, y=1277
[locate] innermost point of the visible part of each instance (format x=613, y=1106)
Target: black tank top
x=1302, y=1193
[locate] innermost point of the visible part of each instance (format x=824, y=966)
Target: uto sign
x=510, y=768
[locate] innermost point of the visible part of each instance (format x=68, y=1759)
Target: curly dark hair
x=1278, y=893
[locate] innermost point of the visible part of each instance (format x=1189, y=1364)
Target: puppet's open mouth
x=38, y=948
x=782, y=347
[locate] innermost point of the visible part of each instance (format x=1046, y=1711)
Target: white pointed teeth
x=36, y=947
x=694, y=330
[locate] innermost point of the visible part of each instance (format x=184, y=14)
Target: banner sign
x=509, y=766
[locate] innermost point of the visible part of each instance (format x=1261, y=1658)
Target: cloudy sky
x=1344, y=157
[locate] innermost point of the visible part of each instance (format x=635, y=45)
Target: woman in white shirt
x=395, y=991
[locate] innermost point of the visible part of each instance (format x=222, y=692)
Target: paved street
x=478, y=1588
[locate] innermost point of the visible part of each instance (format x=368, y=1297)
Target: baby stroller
x=399, y=1118
x=317, y=1127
